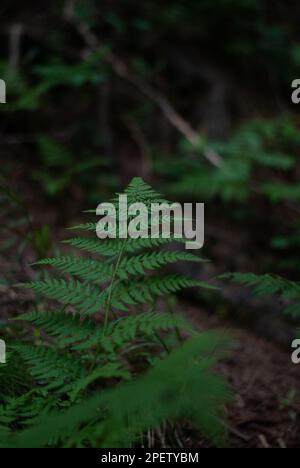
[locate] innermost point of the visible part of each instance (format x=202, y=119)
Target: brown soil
x=266, y=384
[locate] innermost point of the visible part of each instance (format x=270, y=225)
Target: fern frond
x=146, y=290
x=89, y=300
x=152, y=261
x=106, y=248
x=22, y=410
x=266, y=285
x=108, y=371
x=84, y=227
x=140, y=191
x=14, y=379
x=127, y=329
x=179, y=386
x=111, y=247
x=52, y=370
x=92, y=270
x=85, y=297
x=87, y=269
x=66, y=328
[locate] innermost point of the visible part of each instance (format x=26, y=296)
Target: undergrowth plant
x=258, y=158
x=267, y=285
x=18, y=231
x=102, y=363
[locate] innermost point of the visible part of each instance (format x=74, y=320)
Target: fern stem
x=162, y=343
x=108, y=302
x=177, y=331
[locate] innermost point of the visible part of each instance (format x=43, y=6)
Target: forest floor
x=266, y=408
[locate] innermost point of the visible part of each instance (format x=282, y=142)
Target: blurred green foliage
x=59, y=167
x=256, y=150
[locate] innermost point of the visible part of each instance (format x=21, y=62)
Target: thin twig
x=236, y=432
x=264, y=441
x=15, y=47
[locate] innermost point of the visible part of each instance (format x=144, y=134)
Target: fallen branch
x=122, y=70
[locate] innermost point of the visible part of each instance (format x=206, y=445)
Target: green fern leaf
x=85, y=297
